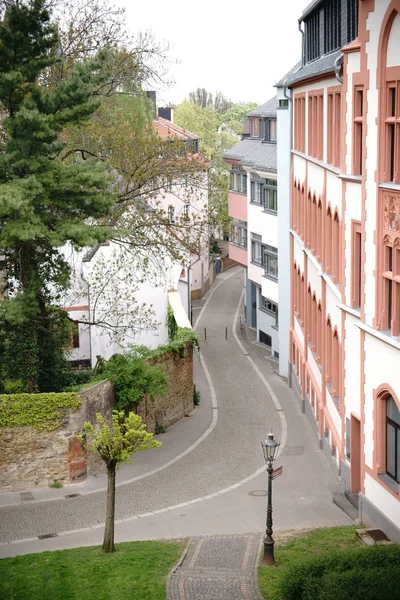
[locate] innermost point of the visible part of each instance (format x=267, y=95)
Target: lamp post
x=270, y=450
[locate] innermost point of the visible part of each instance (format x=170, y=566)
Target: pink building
x=345, y=244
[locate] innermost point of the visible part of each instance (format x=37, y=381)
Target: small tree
x=114, y=444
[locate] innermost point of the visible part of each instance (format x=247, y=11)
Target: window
x=256, y=192
x=315, y=123
x=270, y=130
x=171, y=213
x=332, y=25
x=358, y=130
x=356, y=265
x=270, y=199
x=270, y=307
x=255, y=127
x=283, y=103
x=352, y=20
x=392, y=439
x=392, y=289
x=271, y=261
x=300, y=122
x=312, y=36
x=264, y=338
x=73, y=335
x=238, y=180
x=392, y=158
x=239, y=233
x=334, y=123
x=257, y=252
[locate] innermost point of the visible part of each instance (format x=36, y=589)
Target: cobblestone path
x=217, y=568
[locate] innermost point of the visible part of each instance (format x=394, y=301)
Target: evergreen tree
x=47, y=197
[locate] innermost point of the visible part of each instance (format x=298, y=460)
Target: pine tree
x=47, y=197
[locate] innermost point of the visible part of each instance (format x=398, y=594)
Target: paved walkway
x=215, y=568
x=209, y=477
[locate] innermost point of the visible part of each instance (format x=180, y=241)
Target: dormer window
x=255, y=126
x=270, y=130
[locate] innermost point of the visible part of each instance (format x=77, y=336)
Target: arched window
x=392, y=439
x=319, y=232
x=336, y=248
x=328, y=242
x=328, y=353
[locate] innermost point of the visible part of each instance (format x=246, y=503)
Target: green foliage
x=133, y=379
x=56, y=485
x=214, y=246
x=178, y=345
x=196, y=396
x=41, y=411
x=77, y=377
x=138, y=571
x=353, y=574
x=171, y=323
x=116, y=442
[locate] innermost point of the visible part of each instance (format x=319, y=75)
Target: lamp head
x=270, y=448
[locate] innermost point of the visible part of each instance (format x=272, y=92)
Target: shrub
x=76, y=378
x=306, y=580
x=196, y=396
x=360, y=584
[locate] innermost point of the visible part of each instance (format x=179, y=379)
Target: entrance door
x=355, y=455
x=253, y=305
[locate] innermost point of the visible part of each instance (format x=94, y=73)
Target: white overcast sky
x=238, y=48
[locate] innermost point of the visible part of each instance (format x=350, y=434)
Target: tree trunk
x=108, y=542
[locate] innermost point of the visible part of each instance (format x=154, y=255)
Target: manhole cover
x=72, y=495
x=292, y=450
x=258, y=493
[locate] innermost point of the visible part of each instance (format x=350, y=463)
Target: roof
x=323, y=65
x=254, y=153
x=309, y=9
x=268, y=109
x=167, y=129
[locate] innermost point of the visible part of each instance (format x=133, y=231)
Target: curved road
x=229, y=454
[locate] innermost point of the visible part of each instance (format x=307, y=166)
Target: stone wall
x=178, y=402
x=30, y=458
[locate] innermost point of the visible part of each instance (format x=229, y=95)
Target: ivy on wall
x=41, y=411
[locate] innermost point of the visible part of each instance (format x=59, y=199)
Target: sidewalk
x=215, y=568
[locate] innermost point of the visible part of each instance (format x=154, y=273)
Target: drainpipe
x=302, y=44
x=90, y=327
x=337, y=66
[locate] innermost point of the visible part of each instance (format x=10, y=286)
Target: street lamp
x=270, y=450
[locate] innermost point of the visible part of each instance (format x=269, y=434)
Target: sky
x=228, y=46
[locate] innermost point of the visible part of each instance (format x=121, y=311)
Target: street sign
x=276, y=472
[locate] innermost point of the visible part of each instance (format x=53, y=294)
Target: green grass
x=136, y=571
x=301, y=547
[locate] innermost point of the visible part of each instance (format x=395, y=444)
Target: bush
x=196, y=396
x=76, y=378
x=310, y=580
x=133, y=379
x=359, y=584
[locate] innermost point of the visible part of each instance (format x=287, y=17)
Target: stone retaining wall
x=30, y=458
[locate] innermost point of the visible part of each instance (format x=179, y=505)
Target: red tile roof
x=166, y=129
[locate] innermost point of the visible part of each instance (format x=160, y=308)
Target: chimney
x=166, y=113
x=153, y=97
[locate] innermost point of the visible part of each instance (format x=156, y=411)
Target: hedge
x=345, y=574
x=41, y=411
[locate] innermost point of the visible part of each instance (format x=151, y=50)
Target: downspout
x=302, y=44
x=90, y=327
x=337, y=65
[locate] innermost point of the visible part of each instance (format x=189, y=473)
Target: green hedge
x=350, y=574
x=42, y=411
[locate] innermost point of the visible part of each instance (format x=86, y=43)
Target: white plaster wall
x=333, y=310
x=284, y=144
x=269, y=289
x=353, y=212
x=387, y=504
x=298, y=254
x=352, y=366
x=315, y=370
x=183, y=293
x=334, y=415
x=334, y=192
x=393, y=51
x=353, y=66
x=255, y=272
x=314, y=279
x=266, y=323
x=317, y=85
x=315, y=179
x=298, y=332
x=299, y=167
x=382, y=363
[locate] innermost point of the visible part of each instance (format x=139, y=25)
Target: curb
x=176, y=567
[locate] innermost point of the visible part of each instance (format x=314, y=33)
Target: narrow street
x=219, y=486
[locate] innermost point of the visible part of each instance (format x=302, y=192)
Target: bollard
x=226, y=333
x=205, y=333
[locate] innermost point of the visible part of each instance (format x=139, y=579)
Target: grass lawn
x=298, y=547
x=136, y=571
